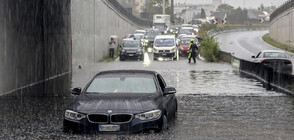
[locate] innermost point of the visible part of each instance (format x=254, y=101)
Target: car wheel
x=164, y=124
x=121, y=59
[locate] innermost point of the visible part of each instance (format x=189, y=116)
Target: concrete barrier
x=281, y=28
x=217, y=31
x=35, y=50
x=271, y=79
x=93, y=22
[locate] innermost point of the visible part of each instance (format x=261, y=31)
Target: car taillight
x=288, y=62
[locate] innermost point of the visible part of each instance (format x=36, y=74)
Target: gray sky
x=239, y=3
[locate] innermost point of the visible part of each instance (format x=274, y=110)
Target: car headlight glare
x=149, y=115
x=74, y=115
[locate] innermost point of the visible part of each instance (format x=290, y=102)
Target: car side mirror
x=169, y=90
x=252, y=56
x=76, y=91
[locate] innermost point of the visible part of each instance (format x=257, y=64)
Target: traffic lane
x=200, y=117
x=244, y=44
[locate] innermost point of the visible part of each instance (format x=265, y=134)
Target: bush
x=210, y=49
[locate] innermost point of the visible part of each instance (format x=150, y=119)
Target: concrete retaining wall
x=35, y=47
x=93, y=22
x=282, y=27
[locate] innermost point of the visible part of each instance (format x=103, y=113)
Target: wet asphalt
x=215, y=102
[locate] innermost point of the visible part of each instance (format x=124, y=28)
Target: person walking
x=192, y=51
x=111, y=48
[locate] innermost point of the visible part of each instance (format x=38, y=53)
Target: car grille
x=116, y=118
x=98, y=118
x=121, y=118
x=164, y=51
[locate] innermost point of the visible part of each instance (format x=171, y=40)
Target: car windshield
x=164, y=42
x=274, y=55
x=140, y=32
x=185, y=42
x=186, y=31
x=122, y=84
x=131, y=43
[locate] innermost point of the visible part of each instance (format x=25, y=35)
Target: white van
x=164, y=46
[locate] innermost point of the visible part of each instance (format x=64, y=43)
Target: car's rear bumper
x=134, y=126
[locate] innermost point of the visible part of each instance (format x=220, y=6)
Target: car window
x=122, y=84
x=274, y=55
x=132, y=44
x=185, y=42
x=161, y=82
x=164, y=42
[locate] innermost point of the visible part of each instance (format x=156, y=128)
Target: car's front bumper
x=135, y=125
x=184, y=52
x=165, y=54
x=131, y=55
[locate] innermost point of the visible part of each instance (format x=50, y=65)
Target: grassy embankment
x=266, y=38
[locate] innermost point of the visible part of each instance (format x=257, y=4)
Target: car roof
x=130, y=39
x=126, y=72
x=165, y=36
x=273, y=51
x=140, y=31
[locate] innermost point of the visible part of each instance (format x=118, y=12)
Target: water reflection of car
x=123, y=101
x=165, y=47
x=184, y=46
x=277, y=60
x=131, y=49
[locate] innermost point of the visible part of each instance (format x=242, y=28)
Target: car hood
x=117, y=103
x=186, y=47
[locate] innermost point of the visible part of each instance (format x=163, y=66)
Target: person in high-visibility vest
x=193, y=49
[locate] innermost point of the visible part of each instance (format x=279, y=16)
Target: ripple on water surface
x=215, y=83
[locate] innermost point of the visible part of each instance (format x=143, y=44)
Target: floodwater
x=215, y=102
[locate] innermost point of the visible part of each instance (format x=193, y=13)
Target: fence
x=287, y=5
x=130, y=16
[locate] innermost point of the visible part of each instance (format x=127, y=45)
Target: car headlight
x=149, y=115
x=123, y=51
x=155, y=50
x=74, y=115
x=181, y=48
x=173, y=49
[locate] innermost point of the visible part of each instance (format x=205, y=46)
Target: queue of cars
x=165, y=44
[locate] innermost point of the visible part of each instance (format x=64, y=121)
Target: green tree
x=225, y=8
x=202, y=14
x=155, y=7
x=238, y=16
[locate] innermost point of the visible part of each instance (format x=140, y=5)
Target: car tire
x=164, y=124
x=121, y=59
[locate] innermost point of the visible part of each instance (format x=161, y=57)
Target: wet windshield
x=122, y=84
x=274, y=55
x=131, y=44
x=185, y=42
x=164, y=42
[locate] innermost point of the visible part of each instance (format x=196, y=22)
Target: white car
x=141, y=32
x=165, y=47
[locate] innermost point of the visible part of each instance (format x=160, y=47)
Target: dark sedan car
x=124, y=101
x=131, y=49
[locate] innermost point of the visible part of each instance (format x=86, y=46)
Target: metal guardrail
x=287, y=5
x=131, y=17
x=217, y=31
x=281, y=82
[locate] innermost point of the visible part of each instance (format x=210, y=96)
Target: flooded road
x=215, y=102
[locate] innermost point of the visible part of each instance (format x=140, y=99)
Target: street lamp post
x=163, y=7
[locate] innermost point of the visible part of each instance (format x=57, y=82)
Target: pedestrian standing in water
x=192, y=51
x=111, y=48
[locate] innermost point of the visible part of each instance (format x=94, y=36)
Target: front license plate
x=109, y=128
x=131, y=54
x=164, y=54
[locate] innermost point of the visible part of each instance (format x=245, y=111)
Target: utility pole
x=163, y=7
x=243, y=4
x=172, y=11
